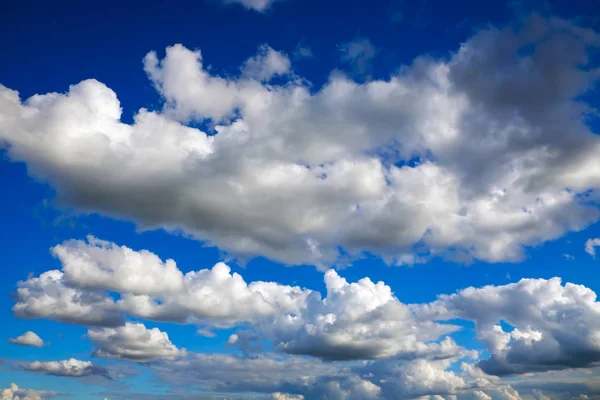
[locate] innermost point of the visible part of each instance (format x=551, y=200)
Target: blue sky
x=471, y=168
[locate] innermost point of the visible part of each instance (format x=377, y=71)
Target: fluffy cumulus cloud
x=148, y=287
x=552, y=326
x=29, y=338
x=304, y=175
x=70, y=368
x=13, y=392
x=358, y=340
x=361, y=320
x=134, y=342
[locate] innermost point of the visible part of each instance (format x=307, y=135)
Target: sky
x=299, y=200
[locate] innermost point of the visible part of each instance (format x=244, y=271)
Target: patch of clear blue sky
x=46, y=46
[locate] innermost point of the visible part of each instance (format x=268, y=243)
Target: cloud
x=29, y=338
x=48, y=296
x=15, y=393
x=283, y=396
x=257, y=5
x=321, y=176
x=71, y=368
x=134, y=342
x=361, y=320
x=357, y=341
x=149, y=288
x=359, y=53
x=302, y=52
x=554, y=326
x=590, y=246
x=267, y=64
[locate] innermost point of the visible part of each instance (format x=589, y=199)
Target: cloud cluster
x=72, y=368
x=29, y=338
x=134, y=342
x=15, y=393
x=553, y=326
x=357, y=341
x=362, y=320
x=475, y=156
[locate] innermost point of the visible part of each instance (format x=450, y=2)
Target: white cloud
x=134, y=342
x=554, y=326
x=48, y=296
x=284, y=396
x=71, y=368
x=267, y=64
x=590, y=246
x=29, y=338
x=479, y=395
x=361, y=320
x=296, y=174
x=13, y=392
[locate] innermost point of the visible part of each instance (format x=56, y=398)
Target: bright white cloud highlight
x=29, y=338
x=134, y=342
x=554, y=326
x=13, y=392
x=71, y=368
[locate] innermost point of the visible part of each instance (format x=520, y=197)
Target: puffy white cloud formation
x=590, y=246
x=554, y=326
x=15, y=393
x=48, y=296
x=134, y=342
x=149, y=288
x=479, y=395
x=72, y=368
x=29, y=338
x=362, y=320
x=476, y=156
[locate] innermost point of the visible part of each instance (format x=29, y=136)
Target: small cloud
x=303, y=52
x=267, y=64
x=359, y=53
x=590, y=246
x=206, y=333
x=568, y=256
x=29, y=338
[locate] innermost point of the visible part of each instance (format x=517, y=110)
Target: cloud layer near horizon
x=359, y=338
